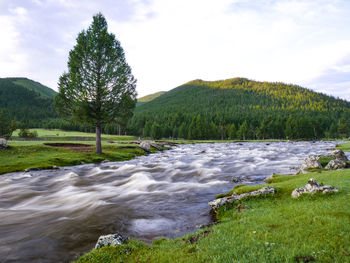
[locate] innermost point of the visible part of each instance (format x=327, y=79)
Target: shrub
x=25, y=133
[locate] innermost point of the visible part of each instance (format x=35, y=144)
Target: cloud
x=334, y=80
x=168, y=42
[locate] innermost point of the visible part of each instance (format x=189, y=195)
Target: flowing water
x=56, y=215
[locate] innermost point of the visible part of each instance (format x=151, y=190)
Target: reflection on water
x=54, y=216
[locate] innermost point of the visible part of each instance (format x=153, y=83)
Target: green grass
x=345, y=147
x=325, y=160
x=28, y=154
x=271, y=229
x=54, y=134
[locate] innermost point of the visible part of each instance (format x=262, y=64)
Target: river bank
x=271, y=229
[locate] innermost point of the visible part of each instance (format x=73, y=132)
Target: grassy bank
x=312, y=228
x=28, y=154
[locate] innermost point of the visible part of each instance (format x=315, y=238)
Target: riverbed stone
x=309, y=163
x=336, y=164
x=338, y=154
x=3, y=143
x=158, y=147
x=217, y=203
x=110, y=240
x=313, y=187
x=145, y=146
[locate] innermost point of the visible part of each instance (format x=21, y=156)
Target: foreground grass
x=271, y=229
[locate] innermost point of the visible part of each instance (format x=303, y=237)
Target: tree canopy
x=99, y=87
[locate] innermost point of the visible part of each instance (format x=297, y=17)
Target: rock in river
x=110, y=240
x=157, y=146
x=312, y=187
x=145, y=146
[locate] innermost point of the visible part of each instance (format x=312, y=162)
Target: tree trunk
x=98, y=139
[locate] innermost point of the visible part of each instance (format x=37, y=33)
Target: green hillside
x=34, y=86
x=242, y=109
x=149, y=98
x=26, y=100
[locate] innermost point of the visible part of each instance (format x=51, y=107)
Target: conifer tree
x=99, y=86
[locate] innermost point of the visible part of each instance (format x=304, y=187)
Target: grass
x=325, y=160
x=31, y=154
x=259, y=229
x=54, y=134
x=345, y=147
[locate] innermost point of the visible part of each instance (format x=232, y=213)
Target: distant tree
x=192, y=129
x=342, y=128
x=333, y=131
x=243, y=131
x=263, y=131
x=232, y=131
x=182, y=131
x=156, y=131
x=7, y=127
x=147, y=129
x=99, y=86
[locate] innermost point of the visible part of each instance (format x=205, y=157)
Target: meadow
x=33, y=153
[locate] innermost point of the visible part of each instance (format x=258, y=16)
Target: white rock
x=338, y=154
x=145, y=146
x=312, y=187
x=215, y=204
x=3, y=143
x=110, y=240
x=309, y=163
x=158, y=147
x=336, y=164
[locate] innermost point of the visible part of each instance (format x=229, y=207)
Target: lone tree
x=99, y=87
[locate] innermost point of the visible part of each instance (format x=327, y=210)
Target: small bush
x=25, y=133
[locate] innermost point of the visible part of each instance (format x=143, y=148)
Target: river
x=56, y=215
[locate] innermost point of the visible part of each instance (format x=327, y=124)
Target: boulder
x=110, y=240
x=336, y=164
x=3, y=143
x=217, y=203
x=312, y=187
x=158, y=147
x=309, y=163
x=145, y=146
x=338, y=154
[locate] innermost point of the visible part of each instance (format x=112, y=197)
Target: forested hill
x=149, y=98
x=26, y=100
x=242, y=109
x=33, y=86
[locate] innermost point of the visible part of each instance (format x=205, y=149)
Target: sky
x=168, y=43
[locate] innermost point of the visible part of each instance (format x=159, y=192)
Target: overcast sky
x=170, y=42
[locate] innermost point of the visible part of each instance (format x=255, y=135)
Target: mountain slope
x=34, y=86
x=26, y=100
x=234, y=101
x=149, y=98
